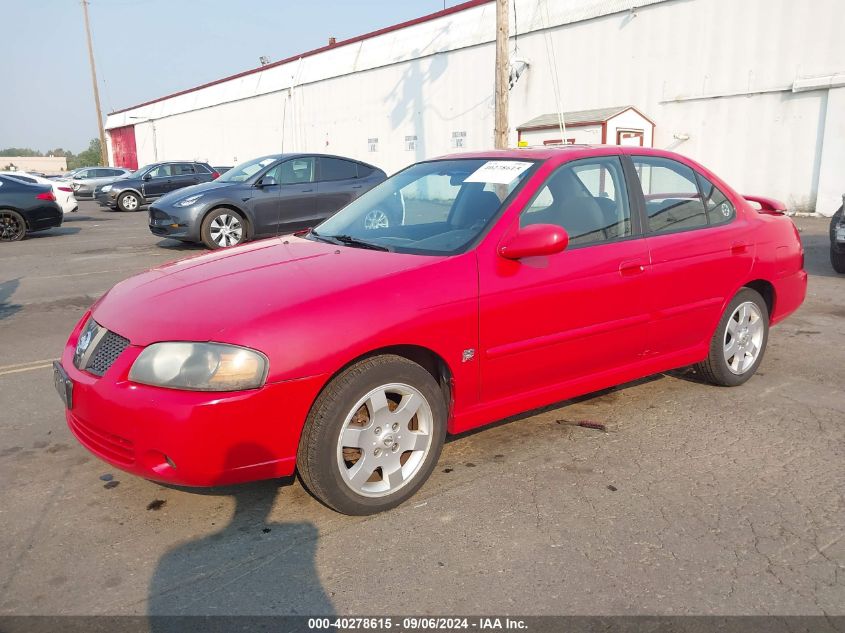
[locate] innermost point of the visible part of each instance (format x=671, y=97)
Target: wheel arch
x=137, y=192
x=250, y=229
x=20, y=213
x=767, y=291
x=425, y=357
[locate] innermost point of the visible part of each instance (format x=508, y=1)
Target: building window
x=410, y=143
x=372, y=143
x=459, y=139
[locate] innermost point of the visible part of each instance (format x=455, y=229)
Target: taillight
x=66, y=189
x=215, y=175
x=47, y=195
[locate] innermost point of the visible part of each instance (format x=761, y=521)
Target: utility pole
x=103, y=156
x=500, y=133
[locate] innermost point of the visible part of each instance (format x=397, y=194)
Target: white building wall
x=582, y=134
x=720, y=71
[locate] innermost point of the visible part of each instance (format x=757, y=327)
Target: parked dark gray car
x=267, y=196
x=151, y=182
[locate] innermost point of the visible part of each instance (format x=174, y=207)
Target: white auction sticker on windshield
x=498, y=172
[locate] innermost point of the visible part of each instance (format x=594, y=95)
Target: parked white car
x=61, y=189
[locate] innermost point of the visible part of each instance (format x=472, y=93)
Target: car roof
x=561, y=152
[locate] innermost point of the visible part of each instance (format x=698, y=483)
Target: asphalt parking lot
x=696, y=500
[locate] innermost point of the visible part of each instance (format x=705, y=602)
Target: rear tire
x=12, y=226
x=129, y=201
x=739, y=342
x=373, y=436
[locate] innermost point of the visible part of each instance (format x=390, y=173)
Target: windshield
x=140, y=172
x=432, y=208
x=245, y=171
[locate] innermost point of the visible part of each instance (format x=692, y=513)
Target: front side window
x=296, y=171
x=337, y=169
x=587, y=198
x=719, y=208
x=432, y=208
x=162, y=171
x=672, y=199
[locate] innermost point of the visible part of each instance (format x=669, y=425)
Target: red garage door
x=123, y=149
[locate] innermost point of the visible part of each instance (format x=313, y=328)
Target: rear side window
x=672, y=199
x=588, y=198
x=337, y=169
x=25, y=179
x=364, y=170
x=201, y=169
x=719, y=208
x=183, y=169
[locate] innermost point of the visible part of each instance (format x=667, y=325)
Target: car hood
x=179, y=194
x=221, y=295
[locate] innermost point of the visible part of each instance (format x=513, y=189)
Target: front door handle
x=357, y=186
x=307, y=190
x=631, y=267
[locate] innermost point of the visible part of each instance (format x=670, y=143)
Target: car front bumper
x=185, y=225
x=186, y=438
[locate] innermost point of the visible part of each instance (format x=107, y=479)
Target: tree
x=20, y=151
x=88, y=158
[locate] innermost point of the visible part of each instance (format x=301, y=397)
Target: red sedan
x=458, y=292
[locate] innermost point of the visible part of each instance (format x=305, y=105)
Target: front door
x=546, y=321
x=158, y=181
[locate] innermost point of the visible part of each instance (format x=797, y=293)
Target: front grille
x=111, y=446
x=158, y=215
x=108, y=349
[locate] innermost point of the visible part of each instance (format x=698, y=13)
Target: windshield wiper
x=354, y=242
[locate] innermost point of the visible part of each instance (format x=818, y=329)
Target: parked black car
x=267, y=196
x=26, y=208
x=151, y=182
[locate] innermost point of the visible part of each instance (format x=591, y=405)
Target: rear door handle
x=631, y=267
x=357, y=186
x=738, y=248
x=307, y=190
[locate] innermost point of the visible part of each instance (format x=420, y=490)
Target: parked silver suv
x=86, y=179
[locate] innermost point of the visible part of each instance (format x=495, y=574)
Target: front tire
x=373, y=436
x=128, y=201
x=738, y=345
x=12, y=226
x=223, y=228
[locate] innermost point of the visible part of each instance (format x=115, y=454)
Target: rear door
x=546, y=321
x=337, y=185
x=184, y=175
x=700, y=253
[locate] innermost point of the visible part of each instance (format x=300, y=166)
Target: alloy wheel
x=226, y=230
x=130, y=202
x=385, y=439
x=743, y=339
x=12, y=227
x=376, y=219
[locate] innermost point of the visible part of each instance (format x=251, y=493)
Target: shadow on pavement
x=70, y=230
x=177, y=245
x=7, y=289
x=251, y=566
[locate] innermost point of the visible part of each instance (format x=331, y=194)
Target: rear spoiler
x=768, y=205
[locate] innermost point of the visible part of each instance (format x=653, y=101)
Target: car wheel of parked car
x=738, y=345
x=373, y=436
x=223, y=228
x=12, y=226
x=837, y=257
x=377, y=219
x=128, y=202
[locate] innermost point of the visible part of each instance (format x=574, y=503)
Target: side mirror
x=148, y=176
x=77, y=177
x=534, y=240
x=267, y=181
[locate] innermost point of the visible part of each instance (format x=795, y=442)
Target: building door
x=123, y=151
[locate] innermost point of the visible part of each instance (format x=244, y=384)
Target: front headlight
x=188, y=201
x=106, y=189
x=200, y=367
